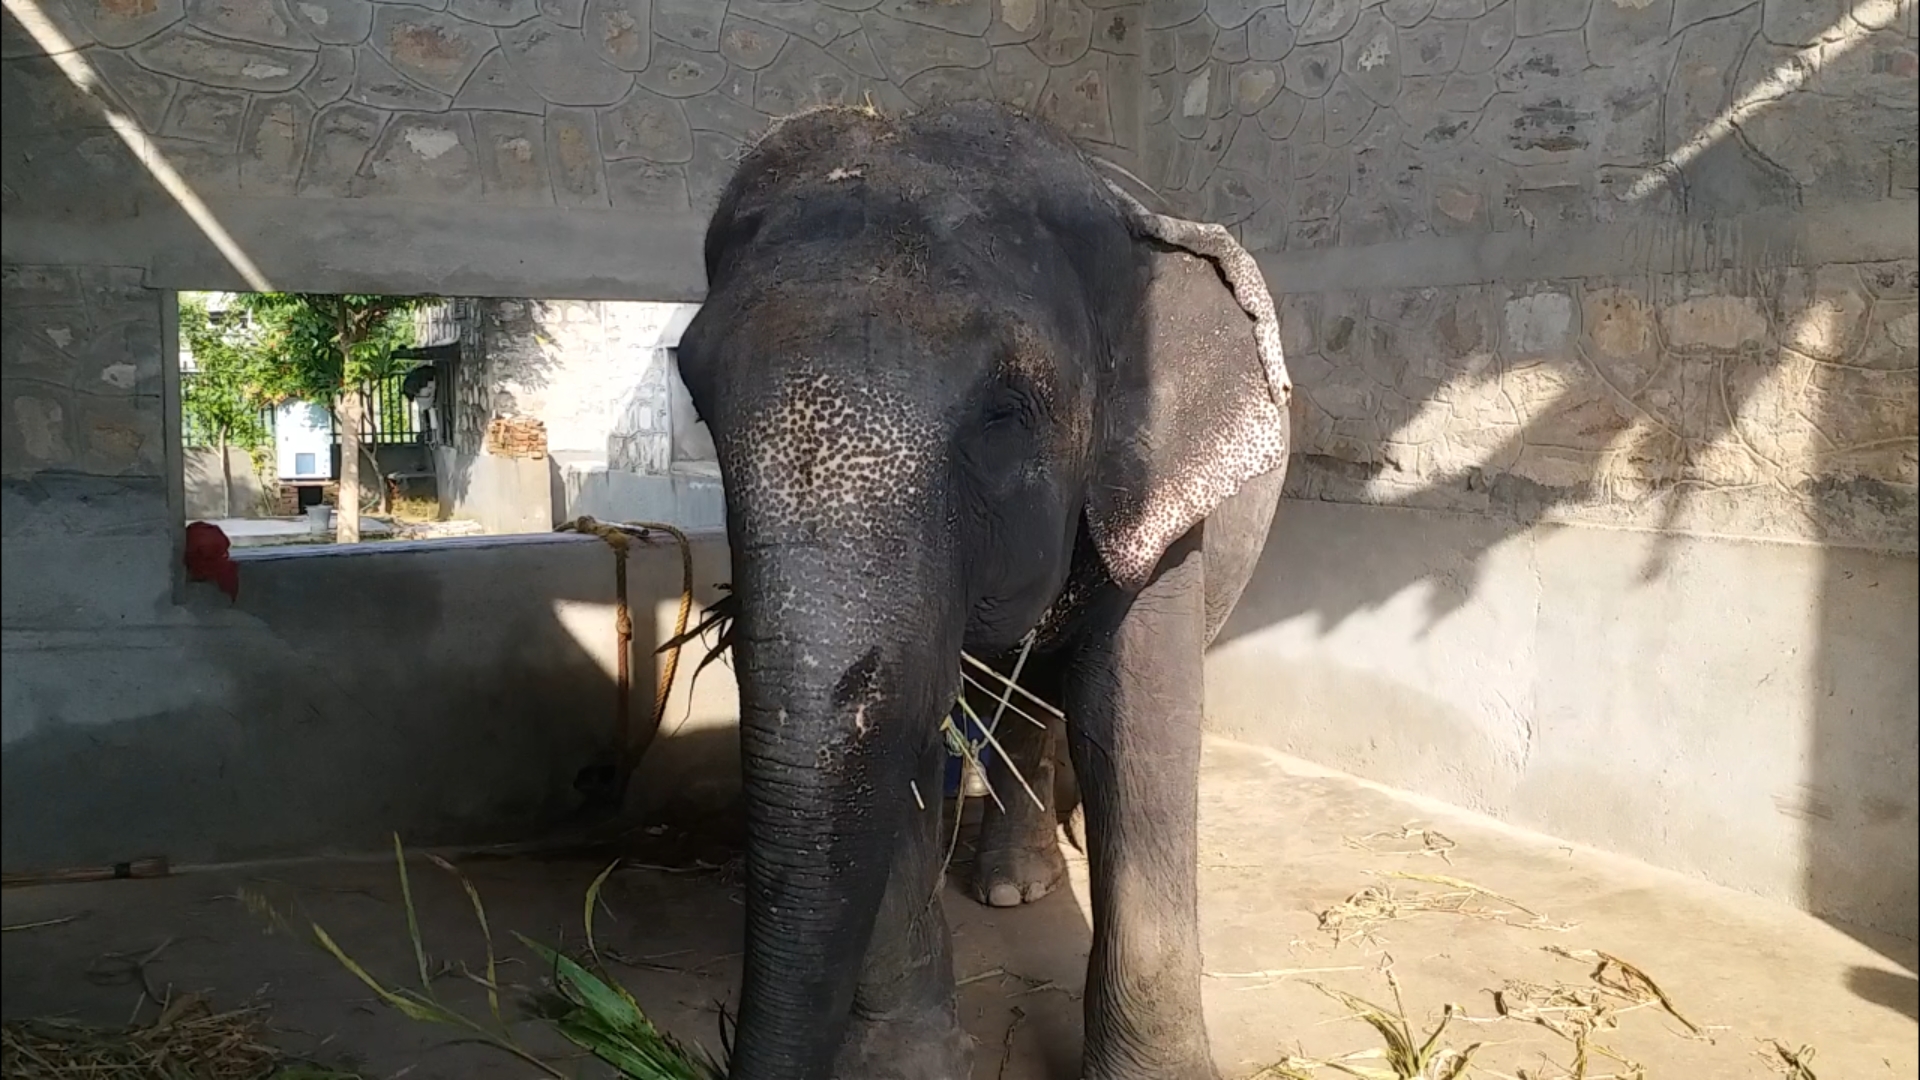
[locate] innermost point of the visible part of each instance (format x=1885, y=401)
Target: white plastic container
x=319, y=520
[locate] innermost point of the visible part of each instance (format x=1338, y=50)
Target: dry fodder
x=1029, y=985
x=1002, y=689
x=1580, y=1014
x=42, y=924
x=1362, y=914
x=187, y=1041
x=1627, y=981
x=1406, y=840
x=1791, y=1063
x=1575, y=1014
x=1404, y=1053
x=408, y=509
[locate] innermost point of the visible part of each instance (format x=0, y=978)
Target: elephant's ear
x=1187, y=419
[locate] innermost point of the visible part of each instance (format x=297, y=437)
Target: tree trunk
x=226, y=479
x=347, y=513
x=379, y=477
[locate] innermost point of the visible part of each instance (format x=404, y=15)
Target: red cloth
x=207, y=558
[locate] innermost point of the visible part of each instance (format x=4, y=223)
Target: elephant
x=963, y=402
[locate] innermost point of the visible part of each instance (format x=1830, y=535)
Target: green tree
x=328, y=349
x=224, y=400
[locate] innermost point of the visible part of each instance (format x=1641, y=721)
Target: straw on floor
x=188, y=1041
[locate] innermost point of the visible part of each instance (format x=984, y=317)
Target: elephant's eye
x=1004, y=435
x=1004, y=411
x=1011, y=403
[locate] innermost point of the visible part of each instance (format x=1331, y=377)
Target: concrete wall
x=1604, y=308
x=213, y=493
x=482, y=148
x=596, y=373
x=1742, y=710
x=689, y=501
x=450, y=690
x=624, y=439
x=1603, y=316
x=506, y=495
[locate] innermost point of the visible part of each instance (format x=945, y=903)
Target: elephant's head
x=937, y=369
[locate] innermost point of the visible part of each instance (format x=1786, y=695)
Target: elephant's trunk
x=845, y=665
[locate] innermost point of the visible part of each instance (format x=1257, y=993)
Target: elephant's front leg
x=1017, y=858
x=1135, y=700
x=905, y=1023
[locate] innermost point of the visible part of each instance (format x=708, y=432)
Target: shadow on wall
x=1750, y=397
x=1856, y=809
x=1649, y=393
x=1820, y=352
x=507, y=492
x=1861, y=839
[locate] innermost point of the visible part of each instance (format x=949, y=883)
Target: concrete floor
x=1281, y=843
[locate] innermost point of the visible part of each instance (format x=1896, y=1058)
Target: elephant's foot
x=1181, y=1053
x=928, y=1045
x=1012, y=870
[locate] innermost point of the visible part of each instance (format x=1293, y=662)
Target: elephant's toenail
x=1004, y=894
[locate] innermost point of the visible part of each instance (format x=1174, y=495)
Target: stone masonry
x=1642, y=263
x=634, y=104
x=85, y=458
x=1696, y=379
x=1777, y=402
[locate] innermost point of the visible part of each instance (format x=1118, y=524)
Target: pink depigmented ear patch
x=1193, y=422
x=1140, y=530
x=1216, y=384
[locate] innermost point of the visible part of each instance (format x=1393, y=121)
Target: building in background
x=303, y=442
x=554, y=409
x=305, y=457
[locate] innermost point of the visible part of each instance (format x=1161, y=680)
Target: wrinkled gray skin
x=951, y=391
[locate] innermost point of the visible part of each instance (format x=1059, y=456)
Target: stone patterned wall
x=1319, y=123
x=1777, y=401
x=632, y=104
x=84, y=470
x=1693, y=381
x=83, y=378
x=1776, y=404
